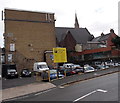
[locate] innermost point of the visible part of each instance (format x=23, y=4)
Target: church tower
x=76, y=22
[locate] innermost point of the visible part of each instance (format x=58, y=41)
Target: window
x=12, y=47
x=9, y=57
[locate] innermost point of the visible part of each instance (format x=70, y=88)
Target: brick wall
x=32, y=34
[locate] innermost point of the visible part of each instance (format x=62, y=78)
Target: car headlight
x=15, y=72
x=8, y=73
x=23, y=72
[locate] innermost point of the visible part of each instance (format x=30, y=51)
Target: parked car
x=62, y=71
x=26, y=73
x=40, y=67
x=67, y=71
x=79, y=69
x=77, y=66
x=53, y=74
x=68, y=65
x=116, y=64
x=106, y=66
x=12, y=73
x=72, y=71
x=88, y=69
x=111, y=64
x=9, y=71
x=101, y=67
x=97, y=67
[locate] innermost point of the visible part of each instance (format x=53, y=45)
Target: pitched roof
x=81, y=35
x=104, y=37
x=101, y=38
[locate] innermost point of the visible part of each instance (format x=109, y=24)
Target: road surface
x=104, y=88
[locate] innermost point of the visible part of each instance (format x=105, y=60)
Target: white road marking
x=84, y=96
x=98, y=90
x=61, y=87
x=20, y=77
x=43, y=92
x=95, y=74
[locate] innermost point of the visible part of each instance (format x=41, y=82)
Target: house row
x=99, y=49
x=30, y=36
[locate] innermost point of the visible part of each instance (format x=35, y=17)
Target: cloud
x=96, y=15
x=98, y=27
x=99, y=10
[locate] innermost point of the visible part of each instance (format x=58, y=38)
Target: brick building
x=72, y=38
x=27, y=36
x=100, y=48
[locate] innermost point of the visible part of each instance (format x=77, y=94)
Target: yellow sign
x=59, y=55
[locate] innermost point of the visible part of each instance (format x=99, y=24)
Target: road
x=104, y=88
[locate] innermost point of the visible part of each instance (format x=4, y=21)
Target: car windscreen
x=89, y=68
x=11, y=70
x=25, y=70
x=53, y=71
x=42, y=66
x=12, y=66
x=77, y=66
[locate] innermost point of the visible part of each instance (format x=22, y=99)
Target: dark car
x=12, y=73
x=88, y=69
x=9, y=71
x=67, y=72
x=73, y=71
x=26, y=73
x=54, y=73
x=99, y=67
x=79, y=70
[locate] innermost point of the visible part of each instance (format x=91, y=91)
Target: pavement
x=24, y=90
x=34, y=87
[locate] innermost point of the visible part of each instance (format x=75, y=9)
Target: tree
x=116, y=41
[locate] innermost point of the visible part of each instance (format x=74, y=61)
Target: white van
x=40, y=67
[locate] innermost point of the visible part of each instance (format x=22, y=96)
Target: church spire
x=76, y=22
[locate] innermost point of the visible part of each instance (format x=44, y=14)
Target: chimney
x=111, y=31
x=102, y=34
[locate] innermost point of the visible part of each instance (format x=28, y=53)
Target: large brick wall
x=32, y=34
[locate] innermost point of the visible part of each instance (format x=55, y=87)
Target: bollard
x=65, y=72
x=38, y=76
x=57, y=74
x=49, y=75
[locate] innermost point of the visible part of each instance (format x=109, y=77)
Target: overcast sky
x=96, y=15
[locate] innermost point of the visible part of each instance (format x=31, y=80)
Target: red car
x=72, y=71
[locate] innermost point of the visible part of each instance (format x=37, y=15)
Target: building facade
x=99, y=49
x=27, y=36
